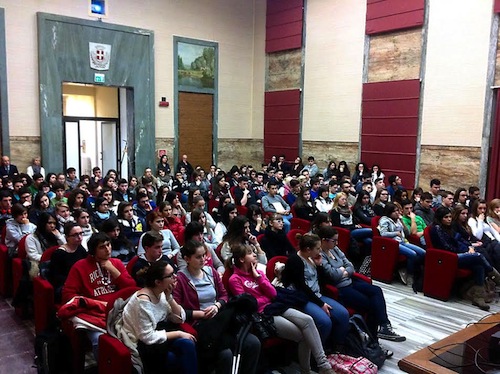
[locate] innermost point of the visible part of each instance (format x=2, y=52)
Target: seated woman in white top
x=170, y=246
x=481, y=229
x=144, y=322
x=45, y=236
x=228, y=213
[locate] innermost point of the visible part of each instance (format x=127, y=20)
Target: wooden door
x=196, y=128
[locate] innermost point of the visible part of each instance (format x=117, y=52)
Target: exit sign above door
x=99, y=78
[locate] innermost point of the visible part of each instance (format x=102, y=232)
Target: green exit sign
x=99, y=78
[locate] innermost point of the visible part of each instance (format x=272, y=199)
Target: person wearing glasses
x=381, y=198
x=65, y=256
x=146, y=319
x=354, y=292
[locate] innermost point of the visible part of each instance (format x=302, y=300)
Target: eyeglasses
x=331, y=240
x=76, y=234
x=170, y=276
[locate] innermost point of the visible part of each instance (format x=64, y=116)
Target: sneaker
x=386, y=332
x=388, y=353
x=403, y=275
x=409, y=280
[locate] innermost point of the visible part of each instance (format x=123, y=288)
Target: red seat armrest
x=362, y=277
x=43, y=299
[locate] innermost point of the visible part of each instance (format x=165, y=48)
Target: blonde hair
x=275, y=217
x=60, y=205
x=495, y=203
x=337, y=198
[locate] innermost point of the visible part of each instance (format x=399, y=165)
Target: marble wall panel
x=240, y=151
x=497, y=62
x=324, y=152
x=23, y=149
x=64, y=57
x=395, y=56
x=454, y=166
x=284, y=70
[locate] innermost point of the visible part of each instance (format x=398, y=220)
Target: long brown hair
x=455, y=218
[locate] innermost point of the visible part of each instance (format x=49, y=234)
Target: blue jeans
x=286, y=222
x=363, y=235
x=477, y=263
x=338, y=320
x=366, y=298
x=177, y=354
x=94, y=341
x=414, y=254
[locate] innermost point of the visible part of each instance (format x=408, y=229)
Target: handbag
x=360, y=342
x=344, y=364
x=263, y=326
x=366, y=266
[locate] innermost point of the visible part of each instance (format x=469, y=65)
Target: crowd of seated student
x=131, y=223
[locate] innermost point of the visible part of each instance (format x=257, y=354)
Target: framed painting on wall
x=196, y=65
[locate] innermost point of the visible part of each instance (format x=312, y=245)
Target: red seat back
x=260, y=237
x=131, y=264
x=218, y=251
x=375, y=221
x=2, y=238
x=271, y=263
x=427, y=236
x=225, y=278
x=47, y=254
x=292, y=237
x=344, y=239
x=242, y=210
x=301, y=224
x=21, y=248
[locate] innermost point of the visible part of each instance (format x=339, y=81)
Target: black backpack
x=360, y=342
x=53, y=353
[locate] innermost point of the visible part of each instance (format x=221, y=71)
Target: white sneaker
x=403, y=275
x=409, y=280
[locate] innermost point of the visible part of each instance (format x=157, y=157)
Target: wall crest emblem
x=100, y=56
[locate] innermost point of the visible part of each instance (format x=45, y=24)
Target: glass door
x=92, y=142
